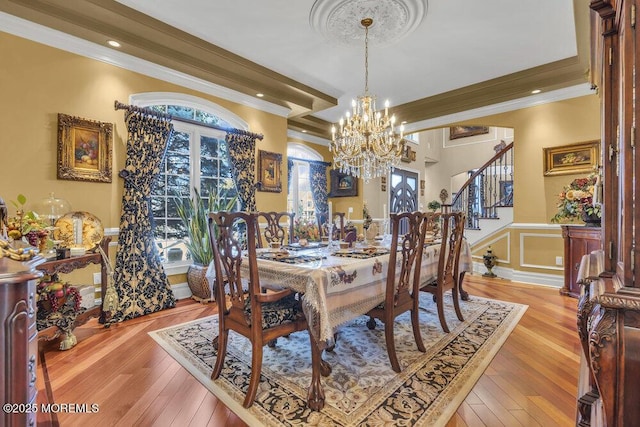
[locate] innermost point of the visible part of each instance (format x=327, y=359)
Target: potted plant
x=434, y=205
x=194, y=213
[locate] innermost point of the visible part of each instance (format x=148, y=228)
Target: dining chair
x=337, y=233
x=452, y=232
x=274, y=231
x=243, y=306
x=403, y=280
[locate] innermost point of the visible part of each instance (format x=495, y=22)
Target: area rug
x=362, y=389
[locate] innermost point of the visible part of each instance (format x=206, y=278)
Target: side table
x=68, y=265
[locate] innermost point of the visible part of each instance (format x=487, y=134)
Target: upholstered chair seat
x=287, y=309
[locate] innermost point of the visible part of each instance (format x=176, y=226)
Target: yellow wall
x=528, y=247
x=37, y=82
x=549, y=125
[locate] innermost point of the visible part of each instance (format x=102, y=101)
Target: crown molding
x=502, y=107
x=59, y=40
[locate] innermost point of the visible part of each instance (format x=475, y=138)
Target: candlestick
x=77, y=231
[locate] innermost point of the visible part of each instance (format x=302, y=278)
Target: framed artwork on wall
x=84, y=149
x=456, y=132
x=572, y=159
x=343, y=185
x=269, y=171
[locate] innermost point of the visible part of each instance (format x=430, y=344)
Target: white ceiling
x=458, y=43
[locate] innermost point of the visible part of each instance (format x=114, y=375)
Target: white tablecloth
x=338, y=289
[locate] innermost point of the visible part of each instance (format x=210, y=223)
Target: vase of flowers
x=306, y=229
x=575, y=202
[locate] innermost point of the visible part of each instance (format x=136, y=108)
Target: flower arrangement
x=306, y=229
x=27, y=224
x=576, y=200
x=367, y=217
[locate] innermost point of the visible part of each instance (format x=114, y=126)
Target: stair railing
x=488, y=188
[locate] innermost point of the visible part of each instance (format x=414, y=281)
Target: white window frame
x=309, y=153
x=195, y=132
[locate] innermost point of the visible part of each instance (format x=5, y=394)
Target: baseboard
x=550, y=280
x=181, y=290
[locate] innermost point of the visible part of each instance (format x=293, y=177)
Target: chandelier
x=366, y=144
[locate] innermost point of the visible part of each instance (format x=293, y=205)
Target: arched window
x=300, y=198
x=196, y=160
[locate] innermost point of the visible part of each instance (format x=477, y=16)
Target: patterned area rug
x=362, y=389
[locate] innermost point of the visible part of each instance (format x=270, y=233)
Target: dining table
x=338, y=285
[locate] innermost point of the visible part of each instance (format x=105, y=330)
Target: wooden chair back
x=403, y=279
x=452, y=232
x=260, y=315
x=274, y=231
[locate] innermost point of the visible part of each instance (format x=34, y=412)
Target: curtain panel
x=139, y=278
x=241, y=148
x=318, y=181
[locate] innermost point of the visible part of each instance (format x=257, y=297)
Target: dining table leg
x=315, y=396
x=464, y=295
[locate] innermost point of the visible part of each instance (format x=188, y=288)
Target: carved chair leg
x=456, y=303
x=391, y=346
x=440, y=304
x=221, y=347
x=256, y=367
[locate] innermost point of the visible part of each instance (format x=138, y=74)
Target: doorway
x=403, y=195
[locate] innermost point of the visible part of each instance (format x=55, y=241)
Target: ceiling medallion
x=393, y=19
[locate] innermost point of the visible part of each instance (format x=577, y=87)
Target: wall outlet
x=97, y=278
x=350, y=210
x=558, y=260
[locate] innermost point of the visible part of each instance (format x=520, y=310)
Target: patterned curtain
x=241, y=147
x=289, y=173
x=139, y=277
x=318, y=181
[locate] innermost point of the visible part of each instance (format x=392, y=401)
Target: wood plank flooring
x=532, y=381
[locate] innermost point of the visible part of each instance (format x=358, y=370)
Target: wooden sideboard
x=18, y=340
x=579, y=240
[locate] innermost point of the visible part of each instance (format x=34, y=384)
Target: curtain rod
x=121, y=106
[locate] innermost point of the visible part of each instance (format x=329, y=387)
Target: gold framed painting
x=84, y=149
x=342, y=184
x=456, y=132
x=269, y=171
x=582, y=157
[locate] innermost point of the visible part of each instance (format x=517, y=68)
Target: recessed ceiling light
x=259, y=95
x=535, y=91
x=113, y=43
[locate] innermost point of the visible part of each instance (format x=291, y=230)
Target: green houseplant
x=194, y=213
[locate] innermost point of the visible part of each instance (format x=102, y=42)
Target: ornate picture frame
x=269, y=171
x=343, y=185
x=570, y=159
x=456, y=132
x=84, y=149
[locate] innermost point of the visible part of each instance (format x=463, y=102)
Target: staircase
x=487, y=196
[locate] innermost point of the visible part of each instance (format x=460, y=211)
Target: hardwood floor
x=532, y=381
